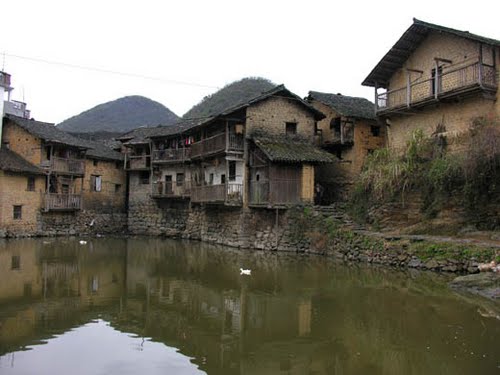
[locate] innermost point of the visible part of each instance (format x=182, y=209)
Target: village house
x=259, y=154
x=350, y=131
x=58, y=154
x=104, y=182
x=82, y=180
x=254, y=155
x=435, y=79
x=22, y=185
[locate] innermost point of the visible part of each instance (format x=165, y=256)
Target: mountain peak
x=120, y=115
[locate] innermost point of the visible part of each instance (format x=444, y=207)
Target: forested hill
x=120, y=116
x=229, y=96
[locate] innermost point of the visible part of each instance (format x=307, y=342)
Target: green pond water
x=157, y=306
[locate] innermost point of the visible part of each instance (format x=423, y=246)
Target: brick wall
x=111, y=198
x=22, y=142
x=13, y=191
x=272, y=115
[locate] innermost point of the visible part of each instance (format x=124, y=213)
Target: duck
x=245, y=272
x=82, y=242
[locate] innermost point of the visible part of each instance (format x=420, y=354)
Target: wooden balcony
x=230, y=194
x=137, y=163
x=451, y=83
x=171, y=155
x=67, y=166
x=217, y=144
x=171, y=190
x=275, y=193
x=62, y=202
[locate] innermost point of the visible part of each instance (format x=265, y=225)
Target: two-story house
x=58, y=154
x=436, y=79
x=22, y=186
x=350, y=131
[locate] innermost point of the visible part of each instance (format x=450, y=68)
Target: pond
x=158, y=306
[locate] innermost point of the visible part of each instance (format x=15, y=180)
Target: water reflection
x=292, y=316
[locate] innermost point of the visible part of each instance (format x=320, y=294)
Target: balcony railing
x=229, y=193
x=67, y=166
x=172, y=155
x=62, y=202
x=140, y=162
x=163, y=189
x=454, y=81
x=217, y=144
x=275, y=192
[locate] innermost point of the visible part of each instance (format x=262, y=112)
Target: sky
x=68, y=56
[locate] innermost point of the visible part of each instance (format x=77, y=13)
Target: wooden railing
x=163, y=189
x=216, y=144
x=208, y=146
x=229, y=193
x=235, y=142
x=139, y=162
x=55, y=201
x=172, y=155
x=68, y=166
x=275, y=192
x=454, y=80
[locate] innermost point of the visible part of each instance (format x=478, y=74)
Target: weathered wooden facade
x=436, y=79
x=259, y=153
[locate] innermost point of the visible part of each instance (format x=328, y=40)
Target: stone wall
x=84, y=222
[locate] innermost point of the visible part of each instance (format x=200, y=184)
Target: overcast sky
x=328, y=46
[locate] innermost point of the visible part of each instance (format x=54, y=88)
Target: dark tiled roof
x=348, y=106
x=279, y=90
x=177, y=128
x=138, y=136
x=12, y=162
x=47, y=131
x=292, y=151
x=99, y=150
x=407, y=44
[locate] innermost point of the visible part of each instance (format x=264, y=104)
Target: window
x=144, y=178
x=335, y=126
x=118, y=188
x=18, y=212
x=232, y=171
x=96, y=183
x=179, y=179
x=375, y=131
x=222, y=178
x=118, y=164
x=31, y=184
x=290, y=128
x=15, y=263
x=65, y=189
x=95, y=162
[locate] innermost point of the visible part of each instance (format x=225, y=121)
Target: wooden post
x=436, y=79
x=227, y=135
x=376, y=96
x=408, y=89
x=480, y=65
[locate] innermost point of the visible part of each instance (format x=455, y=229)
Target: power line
x=108, y=71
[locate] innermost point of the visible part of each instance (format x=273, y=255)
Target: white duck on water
x=245, y=272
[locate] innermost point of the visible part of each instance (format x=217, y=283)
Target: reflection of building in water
x=51, y=287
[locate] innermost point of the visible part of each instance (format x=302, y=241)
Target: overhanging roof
x=407, y=44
